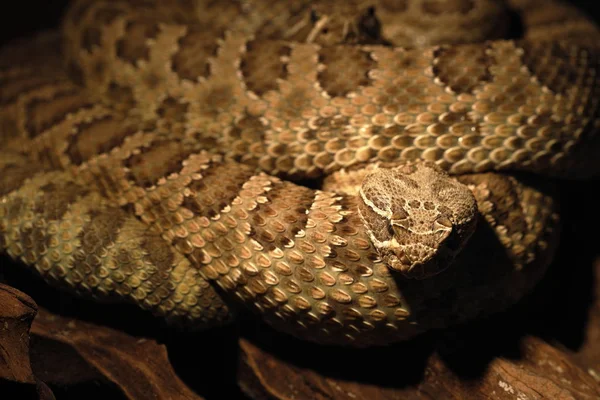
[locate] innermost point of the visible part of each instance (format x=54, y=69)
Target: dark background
x=24, y=17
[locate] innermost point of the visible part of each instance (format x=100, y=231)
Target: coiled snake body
x=153, y=153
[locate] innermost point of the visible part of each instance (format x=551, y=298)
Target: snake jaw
x=418, y=259
x=404, y=262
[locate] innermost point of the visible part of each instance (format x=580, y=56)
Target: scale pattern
x=153, y=152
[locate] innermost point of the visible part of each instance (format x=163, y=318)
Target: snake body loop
x=156, y=152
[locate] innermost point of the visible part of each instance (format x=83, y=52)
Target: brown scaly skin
x=108, y=190
x=300, y=109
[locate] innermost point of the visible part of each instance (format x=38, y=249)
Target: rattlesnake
x=169, y=154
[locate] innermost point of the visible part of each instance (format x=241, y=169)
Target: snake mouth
x=416, y=254
x=416, y=261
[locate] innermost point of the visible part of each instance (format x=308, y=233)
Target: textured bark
x=588, y=355
x=542, y=372
x=67, y=352
x=138, y=367
x=16, y=316
x=520, y=354
x=17, y=311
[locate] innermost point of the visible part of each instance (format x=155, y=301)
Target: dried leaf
x=17, y=310
x=16, y=314
x=541, y=372
x=588, y=354
x=139, y=367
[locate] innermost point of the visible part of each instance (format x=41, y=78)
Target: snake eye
x=442, y=224
x=442, y=227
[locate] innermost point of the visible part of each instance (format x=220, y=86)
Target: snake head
x=417, y=216
x=330, y=22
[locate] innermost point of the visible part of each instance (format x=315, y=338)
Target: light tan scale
x=79, y=241
x=60, y=222
x=334, y=102
x=295, y=255
x=156, y=176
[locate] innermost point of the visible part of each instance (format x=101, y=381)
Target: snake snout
x=418, y=261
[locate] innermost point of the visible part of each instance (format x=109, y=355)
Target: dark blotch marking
x=462, y=67
x=56, y=199
x=262, y=65
x=43, y=113
x=133, y=46
x=160, y=254
x=220, y=184
x=291, y=202
x=121, y=97
x=13, y=174
x=97, y=137
x=249, y=129
x=215, y=100
x=172, y=110
x=75, y=72
x=346, y=68
x=11, y=89
x=92, y=34
x=159, y=160
x=98, y=235
x=245, y=140
x=195, y=50
x=557, y=65
x=295, y=102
